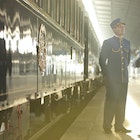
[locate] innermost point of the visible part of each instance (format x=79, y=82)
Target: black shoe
x=107, y=131
x=123, y=130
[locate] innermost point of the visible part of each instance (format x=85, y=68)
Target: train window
x=81, y=26
x=77, y=21
x=62, y=13
x=37, y=2
x=58, y=11
x=49, y=7
x=67, y=16
x=72, y=18
x=54, y=9
x=34, y=1
x=76, y=5
x=80, y=22
x=44, y=5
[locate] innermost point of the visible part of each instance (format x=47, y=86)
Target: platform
x=88, y=125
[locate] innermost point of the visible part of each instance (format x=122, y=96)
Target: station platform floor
x=88, y=125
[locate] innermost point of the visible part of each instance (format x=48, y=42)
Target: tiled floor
x=88, y=125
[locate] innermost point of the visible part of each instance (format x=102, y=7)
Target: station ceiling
x=127, y=10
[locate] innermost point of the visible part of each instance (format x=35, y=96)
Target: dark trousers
x=115, y=104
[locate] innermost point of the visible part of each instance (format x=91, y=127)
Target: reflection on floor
x=88, y=125
x=133, y=107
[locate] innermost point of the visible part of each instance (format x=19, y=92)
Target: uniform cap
x=116, y=22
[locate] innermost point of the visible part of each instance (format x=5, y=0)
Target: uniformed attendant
x=114, y=60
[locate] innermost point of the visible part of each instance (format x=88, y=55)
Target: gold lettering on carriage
x=42, y=49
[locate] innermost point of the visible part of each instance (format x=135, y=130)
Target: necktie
x=121, y=45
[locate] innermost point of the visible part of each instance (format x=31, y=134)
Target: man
x=114, y=60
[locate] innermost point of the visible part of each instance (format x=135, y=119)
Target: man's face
x=119, y=29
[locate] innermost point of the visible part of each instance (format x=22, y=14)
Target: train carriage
x=52, y=61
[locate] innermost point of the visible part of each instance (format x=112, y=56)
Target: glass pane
x=62, y=13
x=72, y=18
x=58, y=11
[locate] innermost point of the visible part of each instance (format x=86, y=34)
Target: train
x=51, y=63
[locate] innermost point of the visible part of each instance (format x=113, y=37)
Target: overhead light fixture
x=93, y=18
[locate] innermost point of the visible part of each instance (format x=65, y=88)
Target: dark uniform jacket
x=114, y=59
